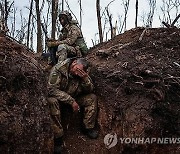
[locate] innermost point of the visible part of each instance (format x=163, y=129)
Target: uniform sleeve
x=62, y=96
x=73, y=34
x=54, y=78
x=54, y=84
x=87, y=84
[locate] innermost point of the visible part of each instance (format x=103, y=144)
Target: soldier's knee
x=52, y=100
x=62, y=52
x=62, y=47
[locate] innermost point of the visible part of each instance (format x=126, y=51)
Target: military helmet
x=67, y=14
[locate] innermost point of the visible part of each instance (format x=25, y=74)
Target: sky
x=89, y=18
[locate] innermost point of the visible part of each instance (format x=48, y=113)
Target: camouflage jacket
x=70, y=34
x=67, y=86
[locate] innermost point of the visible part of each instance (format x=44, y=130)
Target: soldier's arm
x=54, y=84
x=54, y=78
x=74, y=33
x=87, y=84
x=63, y=97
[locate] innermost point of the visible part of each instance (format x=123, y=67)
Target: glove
x=53, y=43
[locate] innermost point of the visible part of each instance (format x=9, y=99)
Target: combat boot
x=58, y=145
x=92, y=133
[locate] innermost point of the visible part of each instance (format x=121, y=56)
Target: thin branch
x=175, y=20
x=70, y=10
x=103, y=13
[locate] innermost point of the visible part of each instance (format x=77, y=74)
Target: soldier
x=71, y=42
x=69, y=83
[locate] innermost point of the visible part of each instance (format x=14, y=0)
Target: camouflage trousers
x=65, y=51
x=88, y=102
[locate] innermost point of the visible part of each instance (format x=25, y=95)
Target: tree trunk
x=54, y=17
x=5, y=10
x=136, y=13
x=39, y=32
x=62, y=5
x=80, y=13
x=175, y=20
x=110, y=22
x=29, y=22
x=99, y=20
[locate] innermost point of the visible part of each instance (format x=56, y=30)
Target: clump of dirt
x=24, y=116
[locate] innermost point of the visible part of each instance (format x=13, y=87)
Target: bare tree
x=175, y=20
x=147, y=17
x=107, y=19
x=99, y=20
x=126, y=8
x=80, y=12
x=62, y=5
x=13, y=22
x=69, y=8
x=20, y=36
x=168, y=8
x=104, y=26
x=110, y=21
x=29, y=22
x=137, y=7
x=114, y=30
x=152, y=6
x=39, y=31
x=32, y=35
x=54, y=17
x=5, y=9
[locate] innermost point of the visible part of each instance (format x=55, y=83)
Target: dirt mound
x=24, y=116
x=137, y=80
x=137, y=76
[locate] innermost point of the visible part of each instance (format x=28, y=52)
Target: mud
x=24, y=115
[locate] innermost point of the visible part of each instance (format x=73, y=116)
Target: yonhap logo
x=110, y=140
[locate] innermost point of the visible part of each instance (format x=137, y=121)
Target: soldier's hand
x=75, y=107
x=78, y=69
x=81, y=73
x=47, y=68
x=52, y=43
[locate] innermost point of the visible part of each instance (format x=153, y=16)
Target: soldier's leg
x=61, y=52
x=89, y=102
x=65, y=51
x=56, y=117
